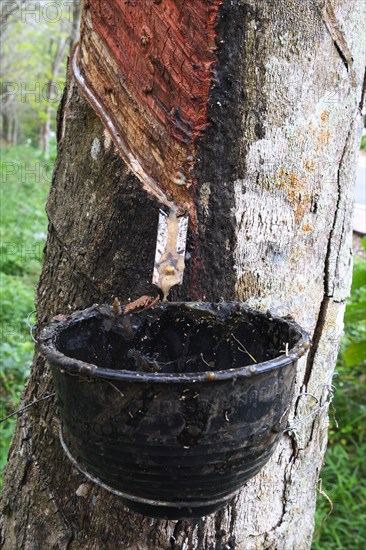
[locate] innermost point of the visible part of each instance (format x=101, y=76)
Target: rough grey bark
x=275, y=180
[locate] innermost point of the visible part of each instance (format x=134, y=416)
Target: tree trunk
x=274, y=198
x=76, y=12
x=10, y=126
x=59, y=46
x=5, y=128
x=15, y=131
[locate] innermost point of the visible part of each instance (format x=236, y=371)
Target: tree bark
x=274, y=202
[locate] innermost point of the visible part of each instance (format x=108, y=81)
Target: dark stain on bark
x=233, y=115
x=220, y=533
x=233, y=519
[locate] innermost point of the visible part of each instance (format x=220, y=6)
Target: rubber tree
x=273, y=192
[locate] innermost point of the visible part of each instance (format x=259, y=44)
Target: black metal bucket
x=173, y=408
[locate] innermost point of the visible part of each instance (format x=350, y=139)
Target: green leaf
x=359, y=273
x=363, y=143
x=355, y=353
x=355, y=312
x=363, y=243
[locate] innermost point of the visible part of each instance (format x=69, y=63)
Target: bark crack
x=328, y=293
x=327, y=275
x=339, y=40
x=316, y=341
x=363, y=93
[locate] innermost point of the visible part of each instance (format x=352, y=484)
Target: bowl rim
x=70, y=365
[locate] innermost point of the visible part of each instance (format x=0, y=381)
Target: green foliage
x=24, y=185
x=344, y=473
x=33, y=72
x=363, y=143
x=354, y=344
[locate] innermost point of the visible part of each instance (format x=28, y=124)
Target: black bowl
x=173, y=408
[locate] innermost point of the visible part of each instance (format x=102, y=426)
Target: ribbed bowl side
x=174, y=442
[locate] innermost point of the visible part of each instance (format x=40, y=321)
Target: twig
x=30, y=326
x=115, y=387
x=19, y=411
x=330, y=502
x=244, y=349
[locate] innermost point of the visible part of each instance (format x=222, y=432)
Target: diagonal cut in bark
x=146, y=68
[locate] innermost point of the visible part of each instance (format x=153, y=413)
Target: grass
x=23, y=234
x=25, y=180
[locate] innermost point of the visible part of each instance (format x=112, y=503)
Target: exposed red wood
x=150, y=63
x=166, y=51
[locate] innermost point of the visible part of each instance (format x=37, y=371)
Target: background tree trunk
x=275, y=176
x=57, y=48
